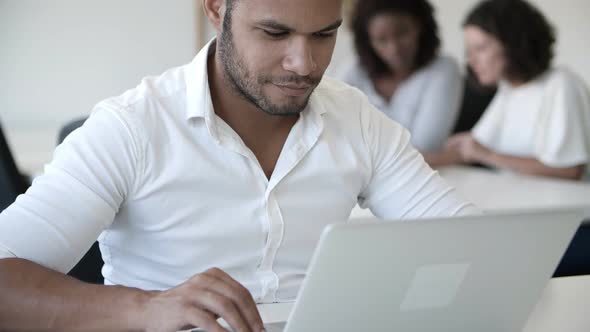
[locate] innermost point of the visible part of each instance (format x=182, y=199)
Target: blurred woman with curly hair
x=401, y=71
x=539, y=121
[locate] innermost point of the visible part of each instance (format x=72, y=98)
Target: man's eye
x=276, y=34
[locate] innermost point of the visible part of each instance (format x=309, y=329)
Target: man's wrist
x=138, y=318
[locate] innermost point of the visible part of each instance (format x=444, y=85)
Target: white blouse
x=427, y=103
x=547, y=119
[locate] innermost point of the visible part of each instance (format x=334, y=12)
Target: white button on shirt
x=172, y=190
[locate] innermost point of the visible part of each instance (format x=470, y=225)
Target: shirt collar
x=199, y=104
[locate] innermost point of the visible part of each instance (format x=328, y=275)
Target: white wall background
x=58, y=58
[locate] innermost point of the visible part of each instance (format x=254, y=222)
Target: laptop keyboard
x=270, y=327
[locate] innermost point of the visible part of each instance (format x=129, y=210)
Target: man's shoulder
x=339, y=96
x=349, y=108
x=154, y=100
x=150, y=90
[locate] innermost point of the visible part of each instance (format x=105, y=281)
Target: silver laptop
x=460, y=274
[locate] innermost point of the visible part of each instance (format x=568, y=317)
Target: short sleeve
x=59, y=217
x=487, y=130
x=402, y=185
x=563, y=136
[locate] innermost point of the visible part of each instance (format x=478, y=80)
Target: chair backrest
x=68, y=128
x=576, y=260
x=476, y=99
x=12, y=182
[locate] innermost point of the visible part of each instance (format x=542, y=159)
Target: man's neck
x=239, y=113
x=264, y=134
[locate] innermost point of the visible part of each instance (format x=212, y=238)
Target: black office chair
x=12, y=182
x=476, y=99
x=68, y=128
x=89, y=267
x=576, y=260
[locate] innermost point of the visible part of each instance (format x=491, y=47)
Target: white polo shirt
x=172, y=190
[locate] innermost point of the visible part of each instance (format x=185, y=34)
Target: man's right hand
x=200, y=301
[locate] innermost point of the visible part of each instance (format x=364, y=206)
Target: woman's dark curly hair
x=525, y=33
x=421, y=10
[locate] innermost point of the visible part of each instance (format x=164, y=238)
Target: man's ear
x=215, y=11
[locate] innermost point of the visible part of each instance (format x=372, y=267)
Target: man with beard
x=209, y=185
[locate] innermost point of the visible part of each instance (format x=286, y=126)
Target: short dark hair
x=421, y=10
x=525, y=33
x=229, y=8
x=227, y=34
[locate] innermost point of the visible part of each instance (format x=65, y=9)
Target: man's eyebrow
x=274, y=25
x=279, y=26
x=332, y=26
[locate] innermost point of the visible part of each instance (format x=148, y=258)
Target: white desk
x=564, y=307
x=505, y=192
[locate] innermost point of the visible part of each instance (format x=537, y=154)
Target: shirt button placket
x=270, y=280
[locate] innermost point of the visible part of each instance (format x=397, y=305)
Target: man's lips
x=294, y=90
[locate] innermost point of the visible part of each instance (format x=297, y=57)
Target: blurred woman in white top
x=539, y=121
x=399, y=68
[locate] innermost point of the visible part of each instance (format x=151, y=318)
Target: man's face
x=275, y=52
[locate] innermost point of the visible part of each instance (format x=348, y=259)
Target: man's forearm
x=36, y=298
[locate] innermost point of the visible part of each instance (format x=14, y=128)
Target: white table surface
x=563, y=307
x=494, y=191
